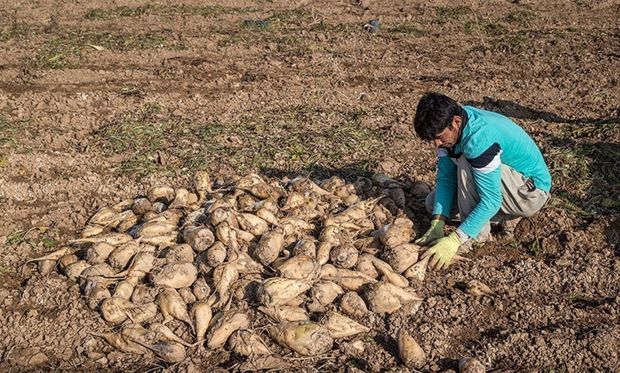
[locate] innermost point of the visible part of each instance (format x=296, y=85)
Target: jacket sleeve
x=486, y=168
x=445, y=184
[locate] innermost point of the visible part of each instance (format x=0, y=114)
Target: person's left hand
x=442, y=251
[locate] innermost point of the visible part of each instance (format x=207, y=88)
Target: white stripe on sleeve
x=492, y=166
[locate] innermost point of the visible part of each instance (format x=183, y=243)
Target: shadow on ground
x=518, y=111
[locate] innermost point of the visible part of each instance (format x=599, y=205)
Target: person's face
x=449, y=136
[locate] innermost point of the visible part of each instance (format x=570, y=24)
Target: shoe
x=509, y=226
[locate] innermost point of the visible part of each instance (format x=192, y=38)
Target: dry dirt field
x=283, y=87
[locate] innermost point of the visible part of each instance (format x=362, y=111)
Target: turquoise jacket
x=487, y=141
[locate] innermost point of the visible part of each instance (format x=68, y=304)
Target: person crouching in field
x=489, y=170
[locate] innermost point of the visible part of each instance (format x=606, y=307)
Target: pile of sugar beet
x=297, y=262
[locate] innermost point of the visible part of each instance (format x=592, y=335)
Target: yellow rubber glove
x=434, y=233
x=442, y=251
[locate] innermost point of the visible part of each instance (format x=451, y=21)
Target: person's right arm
x=445, y=185
x=445, y=190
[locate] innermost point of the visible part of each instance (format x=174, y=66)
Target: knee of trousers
x=430, y=202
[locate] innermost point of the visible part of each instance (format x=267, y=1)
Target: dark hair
x=434, y=114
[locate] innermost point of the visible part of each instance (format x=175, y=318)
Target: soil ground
x=280, y=87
